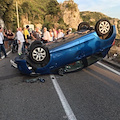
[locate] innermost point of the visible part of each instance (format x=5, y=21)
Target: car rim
x=39, y=54
x=104, y=27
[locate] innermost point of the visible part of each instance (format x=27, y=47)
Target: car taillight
x=113, y=42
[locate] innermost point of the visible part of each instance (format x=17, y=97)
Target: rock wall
x=115, y=22
x=1, y=22
x=24, y=21
x=71, y=13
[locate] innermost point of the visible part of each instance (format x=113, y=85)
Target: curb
x=111, y=62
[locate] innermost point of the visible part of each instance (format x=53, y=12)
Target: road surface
x=90, y=94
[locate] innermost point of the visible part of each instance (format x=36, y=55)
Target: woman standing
x=51, y=35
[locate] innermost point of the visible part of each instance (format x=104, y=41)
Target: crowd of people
x=24, y=37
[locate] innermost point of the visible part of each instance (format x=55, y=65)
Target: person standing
x=5, y=39
x=46, y=35
x=55, y=33
x=20, y=40
x=36, y=35
x=26, y=36
x=69, y=31
x=63, y=32
x=51, y=35
x=60, y=34
x=10, y=37
x=2, y=48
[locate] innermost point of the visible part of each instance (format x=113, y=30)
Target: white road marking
x=63, y=100
x=116, y=72
x=7, y=54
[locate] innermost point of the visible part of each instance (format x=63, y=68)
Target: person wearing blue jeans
x=2, y=48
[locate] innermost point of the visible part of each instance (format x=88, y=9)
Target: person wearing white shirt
x=51, y=35
x=20, y=40
x=46, y=35
x=60, y=34
x=2, y=48
x=54, y=34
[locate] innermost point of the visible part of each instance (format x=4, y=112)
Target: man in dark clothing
x=36, y=35
x=10, y=37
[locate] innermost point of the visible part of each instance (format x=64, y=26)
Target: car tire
x=83, y=26
x=39, y=54
x=103, y=28
x=35, y=42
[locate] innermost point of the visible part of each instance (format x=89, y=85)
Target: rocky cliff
x=116, y=22
x=1, y=22
x=72, y=16
x=93, y=17
x=71, y=13
x=41, y=12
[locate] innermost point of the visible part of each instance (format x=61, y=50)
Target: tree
x=6, y=13
x=53, y=8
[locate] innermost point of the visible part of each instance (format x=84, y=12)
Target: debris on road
x=35, y=80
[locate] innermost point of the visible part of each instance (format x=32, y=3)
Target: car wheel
x=39, y=54
x=83, y=26
x=103, y=28
x=34, y=43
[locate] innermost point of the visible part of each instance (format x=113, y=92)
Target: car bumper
x=13, y=64
x=21, y=65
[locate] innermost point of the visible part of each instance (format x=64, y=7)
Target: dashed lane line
x=7, y=54
x=69, y=113
x=116, y=72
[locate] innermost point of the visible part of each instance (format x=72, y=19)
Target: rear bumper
x=21, y=65
x=13, y=64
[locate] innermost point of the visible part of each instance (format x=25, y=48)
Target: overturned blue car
x=72, y=52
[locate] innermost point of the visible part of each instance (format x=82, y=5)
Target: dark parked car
x=75, y=51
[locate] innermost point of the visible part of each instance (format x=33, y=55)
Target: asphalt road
x=90, y=94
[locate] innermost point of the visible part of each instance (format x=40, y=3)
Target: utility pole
x=17, y=15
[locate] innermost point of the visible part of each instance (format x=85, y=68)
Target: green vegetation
x=37, y=11
x=53, y=16
x=6, y=13
x=92, y=17
x=46, y=12
x=71, y=7
x=53, y=8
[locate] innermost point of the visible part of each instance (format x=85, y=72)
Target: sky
x=110, y=8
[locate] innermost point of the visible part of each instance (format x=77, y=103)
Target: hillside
x=93, y=17
x=49, y=13
x=34, y=11
x=30, y=11
x=71, y=13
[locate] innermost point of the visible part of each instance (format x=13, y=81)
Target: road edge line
x=7, y=54
x=116, y=72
